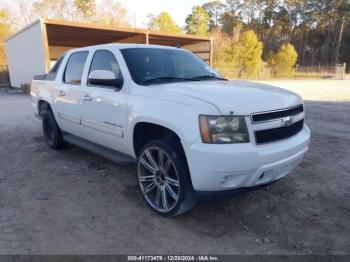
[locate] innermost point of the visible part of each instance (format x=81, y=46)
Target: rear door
x=104, y=108
x=69, y=93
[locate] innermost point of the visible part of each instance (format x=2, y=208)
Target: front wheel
x=164, y=179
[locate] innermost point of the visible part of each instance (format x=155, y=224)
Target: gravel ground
x=317, y=90
x=74, y=202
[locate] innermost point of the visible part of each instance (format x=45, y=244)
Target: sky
x=178, y=9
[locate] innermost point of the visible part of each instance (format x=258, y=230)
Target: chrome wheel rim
x=158, y=179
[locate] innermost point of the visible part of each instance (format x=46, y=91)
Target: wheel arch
x=43, y=105
x=144, y=131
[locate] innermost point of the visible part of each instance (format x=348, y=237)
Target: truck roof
x=121, y=46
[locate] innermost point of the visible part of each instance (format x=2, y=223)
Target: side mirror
x=104, y=78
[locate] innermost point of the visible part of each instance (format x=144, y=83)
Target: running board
x=105, y=152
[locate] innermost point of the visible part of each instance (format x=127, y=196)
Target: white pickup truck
x=193, y=134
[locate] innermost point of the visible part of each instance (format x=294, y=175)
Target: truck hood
x=241, y=97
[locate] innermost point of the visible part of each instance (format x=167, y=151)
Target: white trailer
x=33, y=50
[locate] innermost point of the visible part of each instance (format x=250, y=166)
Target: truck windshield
x=149, y=66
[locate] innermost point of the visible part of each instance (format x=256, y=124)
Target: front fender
x=181, y=118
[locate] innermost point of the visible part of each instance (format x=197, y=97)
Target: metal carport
x=33, y=49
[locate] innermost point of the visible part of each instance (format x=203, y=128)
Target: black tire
x=52, y=133
x=186, y=195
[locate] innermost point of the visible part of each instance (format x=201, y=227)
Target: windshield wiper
x=205, y=77
x=167, y=78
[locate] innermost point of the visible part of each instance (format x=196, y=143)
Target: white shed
x=34, y=49
x=26, y=54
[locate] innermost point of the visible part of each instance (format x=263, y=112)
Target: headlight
x=223, y=129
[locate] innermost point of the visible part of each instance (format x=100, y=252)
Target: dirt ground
x=74, y=202
x=317, y=90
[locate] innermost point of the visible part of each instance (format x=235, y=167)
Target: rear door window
x=53, y=72
x=75, y=67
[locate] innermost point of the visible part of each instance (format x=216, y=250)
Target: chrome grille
x=277, y=125
x=271, y=115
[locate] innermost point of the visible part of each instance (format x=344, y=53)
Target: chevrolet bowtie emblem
x=287, y=121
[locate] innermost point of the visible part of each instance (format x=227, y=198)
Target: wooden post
x=46, y=45
x=211, y=51
x=146, y=38
x=343, y=71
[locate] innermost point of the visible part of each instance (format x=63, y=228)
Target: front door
x=104, y=108
x=69, y=94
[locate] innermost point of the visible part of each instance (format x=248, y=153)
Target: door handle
x=87, y=97
x=61, y=93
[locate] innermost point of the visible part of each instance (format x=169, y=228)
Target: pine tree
x=214, y=10
x=197, y=23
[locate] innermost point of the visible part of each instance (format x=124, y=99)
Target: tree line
x=278, y=33
x=247, y=33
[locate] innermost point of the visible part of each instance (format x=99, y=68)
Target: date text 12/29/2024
x=173, y=258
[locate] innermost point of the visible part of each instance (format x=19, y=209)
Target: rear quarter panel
x=42, y=90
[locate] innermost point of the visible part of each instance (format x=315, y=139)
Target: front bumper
x=220, y=195
x=226, y=167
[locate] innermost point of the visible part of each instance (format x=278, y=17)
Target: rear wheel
x=52, y=133
x=164, y=179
